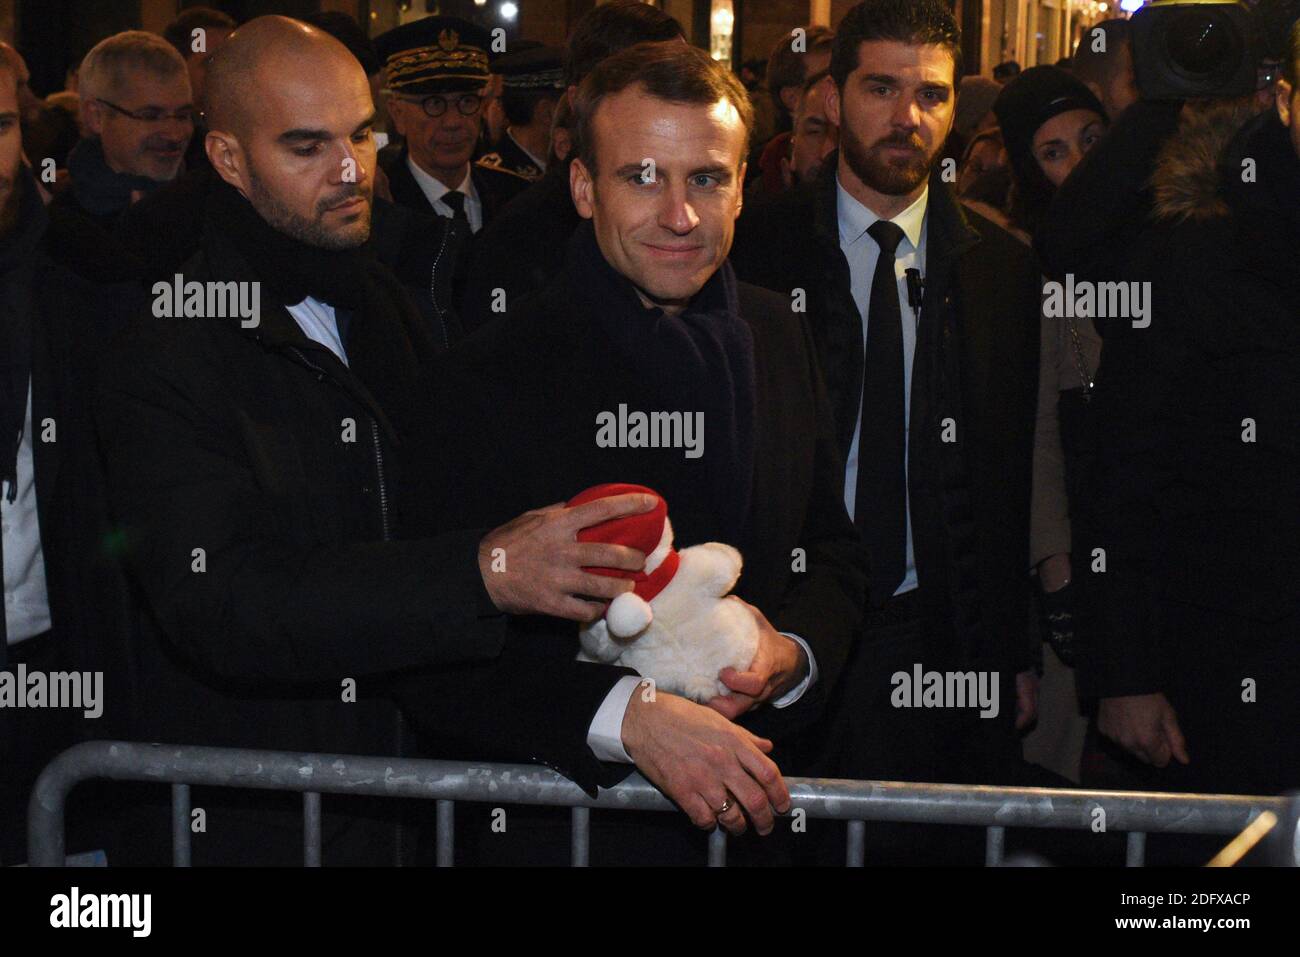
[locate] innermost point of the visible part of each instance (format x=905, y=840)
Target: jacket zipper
x=379, y=469
x=374, y=437
x=399, y=829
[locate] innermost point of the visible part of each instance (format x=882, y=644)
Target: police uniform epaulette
x=492, y=161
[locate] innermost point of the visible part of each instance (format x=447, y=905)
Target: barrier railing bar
x=311, y=829
x=717, y=848
x=180, y=825
x=994, y=841
x=1135, y=850
x=581, y=817
x=446, y=781
x=855, y=855
x=446, y=833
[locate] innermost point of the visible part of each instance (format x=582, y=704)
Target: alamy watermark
x=946, y=689
x=1082, y=299
x=21, y=688
x=651, y=430
x=75, y=909
x=211, y=300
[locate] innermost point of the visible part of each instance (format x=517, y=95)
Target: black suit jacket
x=520, y=399
x=495, y=187
x=976, y=363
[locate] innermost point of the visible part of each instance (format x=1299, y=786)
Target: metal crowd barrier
x=445, y=782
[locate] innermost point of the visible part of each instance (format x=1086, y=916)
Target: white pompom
x=629, y=614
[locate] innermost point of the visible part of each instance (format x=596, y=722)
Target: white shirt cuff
x=795, y=693
x=605, y=736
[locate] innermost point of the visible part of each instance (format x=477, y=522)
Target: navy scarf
x=99, y=190
x=701, y=360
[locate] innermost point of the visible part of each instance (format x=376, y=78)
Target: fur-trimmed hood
x=1188, y=182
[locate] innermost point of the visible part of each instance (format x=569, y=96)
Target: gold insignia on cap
x=449, y=40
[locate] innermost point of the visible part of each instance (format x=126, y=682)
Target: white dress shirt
x=863, y=253
x=27, y=603
x=434, y=190
x=318, y=323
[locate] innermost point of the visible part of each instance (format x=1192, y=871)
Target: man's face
x=138, y=147
x=814, y=135
x=666, y=192
x=11, y=146
x=309, y=153
x=1287, y=101
x=197, y=62
x=440, y=145
x=894, y=113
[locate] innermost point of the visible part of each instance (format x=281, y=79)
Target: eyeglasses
x=154, y=114
x=467, y=104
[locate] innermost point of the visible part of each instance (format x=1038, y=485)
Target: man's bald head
x=290, y=126
x=261, y=57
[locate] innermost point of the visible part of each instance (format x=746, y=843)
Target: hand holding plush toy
x=676, y=626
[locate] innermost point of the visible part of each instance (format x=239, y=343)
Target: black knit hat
x=1033, y=98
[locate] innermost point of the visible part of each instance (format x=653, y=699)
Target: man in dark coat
x=254, y=451
x=437, y=68
x=646, y=315
x=532, y=85
x=65, y=600
x=139, y=115
x=936, y=415
x=523, y=249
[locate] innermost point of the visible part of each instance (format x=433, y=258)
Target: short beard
x=312, y=232
x=890, y=177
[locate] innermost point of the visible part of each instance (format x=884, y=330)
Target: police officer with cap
x=533, y=82
x=436, y=72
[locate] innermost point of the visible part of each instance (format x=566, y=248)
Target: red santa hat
x=649, y=532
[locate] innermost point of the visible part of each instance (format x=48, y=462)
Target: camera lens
x=1200, y=43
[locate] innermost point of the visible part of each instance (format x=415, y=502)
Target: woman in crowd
x=1049, y=120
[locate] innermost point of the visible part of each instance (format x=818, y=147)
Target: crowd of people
x=303, y=336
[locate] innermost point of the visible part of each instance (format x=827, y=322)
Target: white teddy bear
x=677, y=626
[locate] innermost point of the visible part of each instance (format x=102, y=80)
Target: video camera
x=1184, y=49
